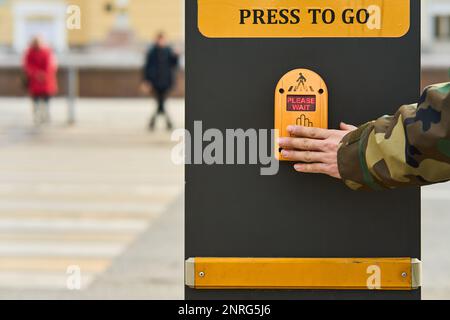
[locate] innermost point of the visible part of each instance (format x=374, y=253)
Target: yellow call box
x=301, y=98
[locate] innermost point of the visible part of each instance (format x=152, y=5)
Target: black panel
x=232, y=211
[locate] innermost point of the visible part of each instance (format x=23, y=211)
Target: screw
x=201, y=274
x=404, y=275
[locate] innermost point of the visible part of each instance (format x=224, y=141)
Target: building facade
x=98, y=19
x=104, y=41
x=435, y=41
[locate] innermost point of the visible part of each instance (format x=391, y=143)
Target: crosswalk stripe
x=58, y=264
x=43, y=215
x=68, y=225
x=125, y=237
x=66, y=249
x=66, y=206
x=113, y=198
x=97, y=177
x=38, y=280
x=89, y=189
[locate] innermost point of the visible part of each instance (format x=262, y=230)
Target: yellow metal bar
x=304, y=273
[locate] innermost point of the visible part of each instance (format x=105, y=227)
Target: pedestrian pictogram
x=301, y=83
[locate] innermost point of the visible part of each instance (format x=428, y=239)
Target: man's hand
x=316, y=148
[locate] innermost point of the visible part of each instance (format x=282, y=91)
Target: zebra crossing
x=78, y=196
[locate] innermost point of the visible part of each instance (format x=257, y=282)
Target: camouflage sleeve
x=411, y=148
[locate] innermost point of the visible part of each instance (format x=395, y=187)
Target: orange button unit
x=301, y=98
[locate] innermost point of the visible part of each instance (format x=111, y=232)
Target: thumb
x=347, y=127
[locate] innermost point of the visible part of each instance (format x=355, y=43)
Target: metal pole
x=72, y=93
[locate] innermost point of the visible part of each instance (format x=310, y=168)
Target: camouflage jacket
x=411, y=148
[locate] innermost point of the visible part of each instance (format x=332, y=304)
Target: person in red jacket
x=40, y=69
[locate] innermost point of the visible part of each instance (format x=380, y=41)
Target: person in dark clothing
x=160, y=64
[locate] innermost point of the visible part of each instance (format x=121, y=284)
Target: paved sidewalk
x=436, y=241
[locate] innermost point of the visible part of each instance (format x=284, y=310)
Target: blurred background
x=92, y=195
x=91, y=206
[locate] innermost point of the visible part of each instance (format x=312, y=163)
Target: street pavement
x=103, y=196
x=74, y=199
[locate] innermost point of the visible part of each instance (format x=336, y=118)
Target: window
x=442, y=27
x=46, y=18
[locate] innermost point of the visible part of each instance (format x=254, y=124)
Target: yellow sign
x=304, y=273
x=303, y=18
